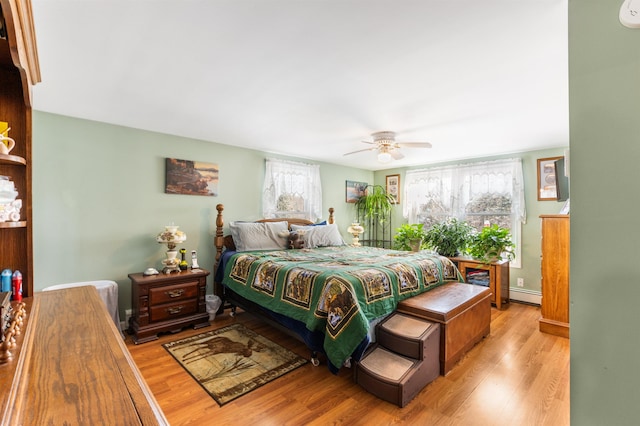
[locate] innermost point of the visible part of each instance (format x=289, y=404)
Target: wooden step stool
x=464, y=313
x=410, y=336
x=403, y=361
x=390, y=376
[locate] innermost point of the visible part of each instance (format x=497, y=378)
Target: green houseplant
x=409, y=237
x=489, y=244
x=376, y=203
x=450, y=237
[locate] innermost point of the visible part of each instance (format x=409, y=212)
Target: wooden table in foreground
x=73, y=367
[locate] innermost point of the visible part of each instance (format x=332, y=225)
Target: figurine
x=295, y=240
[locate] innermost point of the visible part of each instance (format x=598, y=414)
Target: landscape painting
x=355, y=190
x=191, y=177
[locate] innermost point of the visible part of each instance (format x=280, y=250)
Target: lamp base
x=171, y=263
x=169, y=269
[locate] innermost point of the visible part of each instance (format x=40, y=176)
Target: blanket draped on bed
x=336, y=290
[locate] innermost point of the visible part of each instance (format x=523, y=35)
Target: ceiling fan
x=387, y=147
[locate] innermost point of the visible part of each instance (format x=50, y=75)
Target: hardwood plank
x=517, y=375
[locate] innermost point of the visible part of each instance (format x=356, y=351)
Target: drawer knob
x=173, y=311
x=174, y=293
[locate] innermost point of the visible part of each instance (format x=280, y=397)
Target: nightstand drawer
x=173, y=310
x=173, y=293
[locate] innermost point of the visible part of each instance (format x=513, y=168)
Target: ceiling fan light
x=384, y=157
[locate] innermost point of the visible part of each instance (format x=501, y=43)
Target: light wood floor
x=515, y=376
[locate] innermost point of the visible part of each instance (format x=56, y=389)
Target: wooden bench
x=464, y=312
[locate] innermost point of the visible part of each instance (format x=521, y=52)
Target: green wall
x=604, y=105
x=531, y=231
x=99, y=201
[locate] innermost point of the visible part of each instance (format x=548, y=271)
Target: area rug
x=232, y=361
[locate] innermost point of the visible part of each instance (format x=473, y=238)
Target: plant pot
x=415, y=244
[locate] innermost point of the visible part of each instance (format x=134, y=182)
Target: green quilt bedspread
x=336, y=290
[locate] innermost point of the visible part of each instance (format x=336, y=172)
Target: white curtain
x=442, y=192
x=292, y=189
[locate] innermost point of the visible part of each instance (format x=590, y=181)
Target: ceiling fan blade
x=396, y=154
x=370, y=143
x=414, y=144
x=361, y=150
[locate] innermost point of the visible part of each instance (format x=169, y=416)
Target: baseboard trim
x=526, y=296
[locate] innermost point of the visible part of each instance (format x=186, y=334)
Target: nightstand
x=167, y=302
x=494, y=275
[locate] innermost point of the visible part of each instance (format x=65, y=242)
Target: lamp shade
x=384, y=157
x=355, y=228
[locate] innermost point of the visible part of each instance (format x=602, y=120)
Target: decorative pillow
x=259, y=235
x=320, y=235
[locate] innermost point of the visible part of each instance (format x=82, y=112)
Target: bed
x=329, y=293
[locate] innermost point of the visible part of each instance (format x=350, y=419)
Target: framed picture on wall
x=191, y=177
x=354, y=190
x=393, y=187
x=547, y=179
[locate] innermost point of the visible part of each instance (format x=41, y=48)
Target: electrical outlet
x=127, y=315
x=520, y=282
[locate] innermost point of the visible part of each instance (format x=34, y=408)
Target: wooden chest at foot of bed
x=464, y=312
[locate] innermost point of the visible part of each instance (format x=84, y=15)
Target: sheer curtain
x=476, y=191
x=292, y=189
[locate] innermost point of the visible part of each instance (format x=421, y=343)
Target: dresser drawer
x=173, y=310
x=173, y=293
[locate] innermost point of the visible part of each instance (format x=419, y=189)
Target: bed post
x=330, y=215
x=219, y=243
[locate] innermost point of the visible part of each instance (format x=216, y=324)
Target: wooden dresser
x=555, y=275
x=72, y=367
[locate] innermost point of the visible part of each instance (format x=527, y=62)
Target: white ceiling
x=312, y=78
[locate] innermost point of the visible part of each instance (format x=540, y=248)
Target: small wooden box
x=392, y=377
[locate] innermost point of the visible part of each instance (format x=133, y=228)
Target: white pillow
x=259, y=235
x=320, y=235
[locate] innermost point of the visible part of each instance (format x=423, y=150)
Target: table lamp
x=355, y=229
x=171, y=237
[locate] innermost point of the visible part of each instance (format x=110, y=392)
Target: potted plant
x=376, y=203
x=409, y=237
x=491, y=243
x=449, y=238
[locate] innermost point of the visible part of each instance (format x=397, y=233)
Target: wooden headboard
x=221, y=241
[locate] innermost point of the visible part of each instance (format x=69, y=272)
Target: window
x=483, y=193
x=292, y=189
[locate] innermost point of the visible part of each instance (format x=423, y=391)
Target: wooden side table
x=167, y=302
x=498, y=276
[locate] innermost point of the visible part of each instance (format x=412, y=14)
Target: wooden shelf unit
x=19, y=70
x=555, y=275
x=498, y=280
